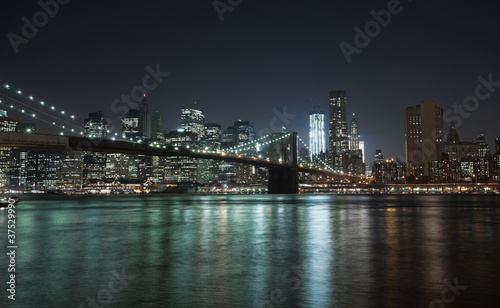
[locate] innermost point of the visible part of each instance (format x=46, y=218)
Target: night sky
x=264, y=55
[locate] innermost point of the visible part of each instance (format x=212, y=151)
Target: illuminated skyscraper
x=483, y=146
x=379, y=156
x=354, y=140
x=94, y=163
x=212, y=137
x=181, y=168
x=208, y=169
x=316, y=132
x=362, y=149
x=338, y=140
x=244, y=132
x=130, y=125
x=193, y=120
x=96, y=126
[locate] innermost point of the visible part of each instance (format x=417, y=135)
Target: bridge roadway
x=283, y=177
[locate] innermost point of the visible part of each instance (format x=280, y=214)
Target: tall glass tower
x=316, y=132
x=144, y=119
x=157, y=130
x=338, y=138
x=354, y=142
x=193, y=120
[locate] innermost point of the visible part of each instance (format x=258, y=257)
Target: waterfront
x=256, y=250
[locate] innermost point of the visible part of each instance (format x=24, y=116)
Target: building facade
x=338, y=135
x=144, y=121
x=316, y=132
x=193, y=120
x=424, y=134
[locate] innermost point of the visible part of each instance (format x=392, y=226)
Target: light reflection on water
x=256, y=251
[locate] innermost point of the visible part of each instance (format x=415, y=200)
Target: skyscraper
x=362, y=150
x=424, y=134
x=193, y=119
x=157, y=129
x=316, y=132
x=212, y=137
x=244, y=132
x=229, y=137
x=338, y=140
x=483, y=146
x=181, y=168
x=208, y=169
x=94, y=163
x=497, y=144
x=144, y=119
x=354, y=140
x=379, y=156
x=130, y=124
x=96, y=126
x=456, y=149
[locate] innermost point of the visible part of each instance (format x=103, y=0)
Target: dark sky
x=265, y=55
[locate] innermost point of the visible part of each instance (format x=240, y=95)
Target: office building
x=95, y=126
x=379, y=156
x=181, y=168
x=94, y=163
x=193, y=120
x=354, y=136
x=244, y=132
x=424, y=134
x=208, y=169
x=130, y=125
x=338, y=136
x=316, y=132
x=483, y=146
x=229, y=137
x=157, y=129
x=455, y=149
x=144, y=122
x=362, y=150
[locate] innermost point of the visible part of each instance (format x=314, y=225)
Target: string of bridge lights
x=63, y=122
x=246, y=146
x=250, y=145
x=316, y=156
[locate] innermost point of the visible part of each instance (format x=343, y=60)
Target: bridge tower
x=283, y=179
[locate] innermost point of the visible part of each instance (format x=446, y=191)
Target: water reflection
x=257, y=251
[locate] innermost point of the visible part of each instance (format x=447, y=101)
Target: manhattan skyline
x=262, y=57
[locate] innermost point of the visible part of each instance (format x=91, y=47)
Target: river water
x=255, y=251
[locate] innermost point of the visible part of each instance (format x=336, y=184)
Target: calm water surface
x=256, y=251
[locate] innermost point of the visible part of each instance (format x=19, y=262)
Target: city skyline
x=214, y=62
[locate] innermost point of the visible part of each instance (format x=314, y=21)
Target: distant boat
x=4, y=201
